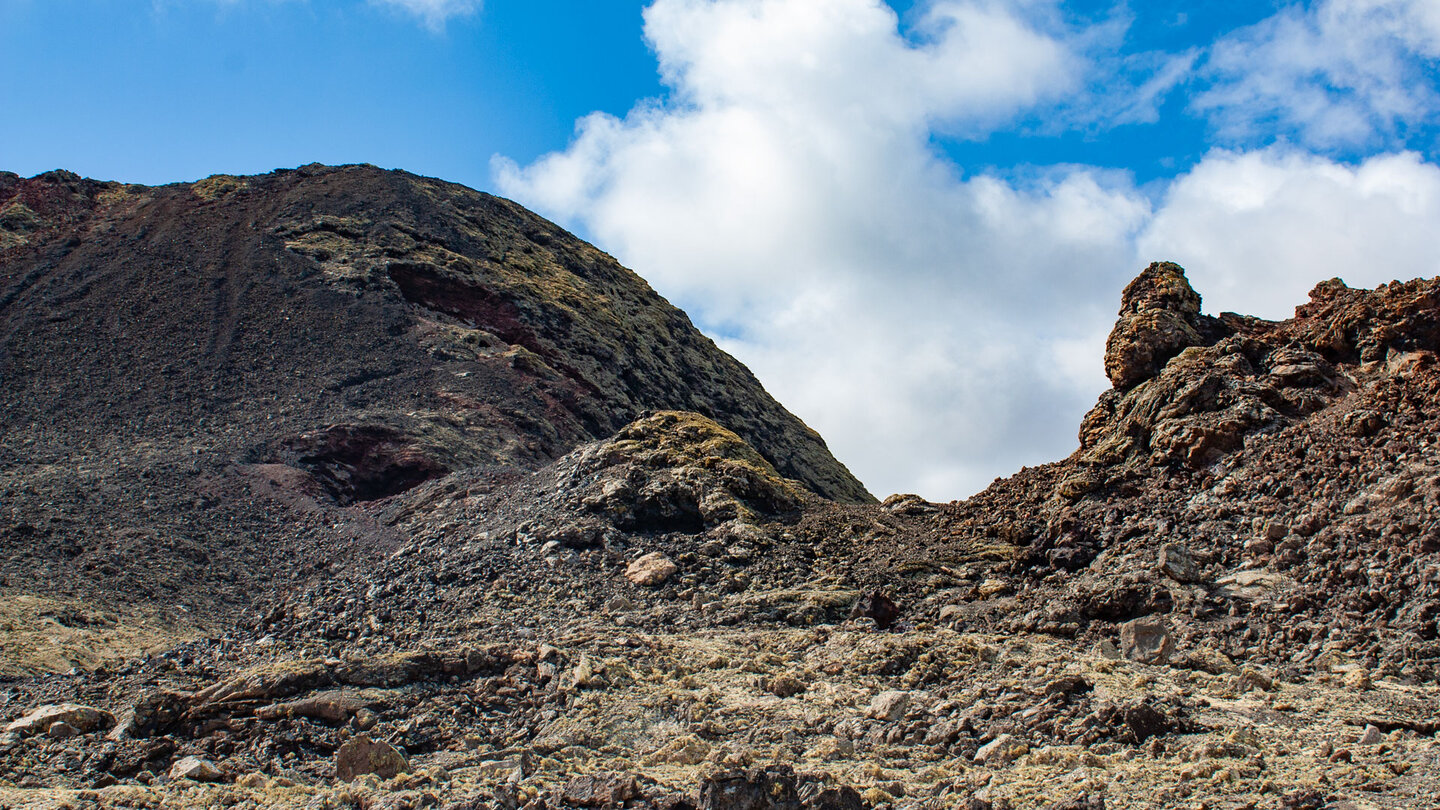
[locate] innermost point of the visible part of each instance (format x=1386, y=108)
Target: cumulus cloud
x=434, y=13
x=939, y=329
x=1255, y=231
x=1343, y=73
x=786, y=195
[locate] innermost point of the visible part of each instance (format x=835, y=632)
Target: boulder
x=1147, y=640
x=196, y=769
x=771, y=788
x=1000, y=751
x=83, y=719
x=889, y=706
x=600, y=790
x=1159, y=314
x=360, y=755
x=651, y=570
x=1178, y=563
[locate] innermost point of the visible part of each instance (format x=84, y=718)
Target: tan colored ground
x=674, y=709
x=42, y=634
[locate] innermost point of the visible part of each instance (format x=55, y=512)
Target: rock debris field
x=345, y=488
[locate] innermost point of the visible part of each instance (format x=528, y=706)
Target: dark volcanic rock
x=183, y=364
x=1159, y=317
x=508, y=533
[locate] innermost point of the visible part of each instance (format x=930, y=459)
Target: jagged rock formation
x=527, y=587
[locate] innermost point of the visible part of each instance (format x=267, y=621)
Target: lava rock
x=769, y=788
x=1147, y=640
x=84, y=719
x=878, y=606
x=196, y=769
x=651, y=570
x=360, y=755
x=600, y=790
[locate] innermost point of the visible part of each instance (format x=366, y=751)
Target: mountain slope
x=465, y=583
x=174, y=358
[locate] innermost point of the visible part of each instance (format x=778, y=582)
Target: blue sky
x=169, y=90
x=911, y=220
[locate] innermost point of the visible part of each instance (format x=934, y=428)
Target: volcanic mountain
x=342, y=333
x=340, y=487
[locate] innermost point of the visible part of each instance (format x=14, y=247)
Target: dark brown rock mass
x=345, y=334
x=393, y=482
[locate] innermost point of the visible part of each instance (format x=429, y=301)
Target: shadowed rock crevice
x=357, y=463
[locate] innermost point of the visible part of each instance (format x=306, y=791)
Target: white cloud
x=1343, y=73
x=1256, y=231
x=787, y=195
x=434, y=13
x=939, y=330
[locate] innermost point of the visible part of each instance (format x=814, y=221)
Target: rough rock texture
x=82, y=719
x=1159, y=317
x=1227, y=597
x=360, y=756
x=178, y=359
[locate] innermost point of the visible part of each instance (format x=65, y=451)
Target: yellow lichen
x=218, y=185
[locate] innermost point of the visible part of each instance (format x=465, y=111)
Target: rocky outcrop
x=1188, y=389
x=1159, y=317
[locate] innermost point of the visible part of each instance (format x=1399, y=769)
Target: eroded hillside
x=485, y=591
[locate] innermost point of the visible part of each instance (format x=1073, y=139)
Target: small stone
x=1255, y=679
x=889, y=706
x=512, y=769
x=1000, y=751
x=586, y=673
x=1178, y=563
x=360, y=755
x=196, y=769
x=1106, y=649
x=651, y=570
x=830, y=749
x=1371, y=736
x=784, y=685
x=1276, y=530
x=1357, y=679
x=61, y=731
x=365, y=720
x=619, y=604
x=1069, y=685
x=1146, y=640
x=1258, y=547
x=1079, y=484
x=993, y=587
